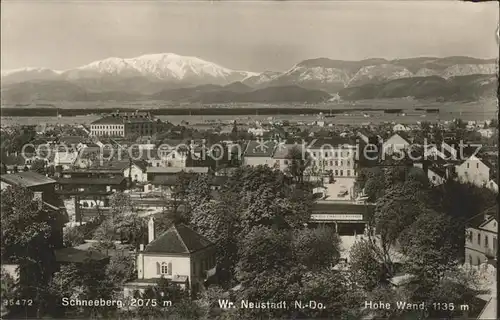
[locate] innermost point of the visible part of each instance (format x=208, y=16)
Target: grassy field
x=360, y=112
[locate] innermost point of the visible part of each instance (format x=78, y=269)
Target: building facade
x=125, y=124
x=481, y=238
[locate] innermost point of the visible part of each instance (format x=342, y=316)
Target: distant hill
x=470, y=87
x=267, y=95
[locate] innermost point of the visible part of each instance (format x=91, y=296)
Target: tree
x=219, y=223
x=366, y=269
x=209, y=302
x=316, y=248
x=73, y=236
x=371, y=180
x=266, y=266
x=121, y=203
x=429, y=247
x=120, y=269
x=28, y=239
x=298, y=162
x=395, y=212
x=198, y=191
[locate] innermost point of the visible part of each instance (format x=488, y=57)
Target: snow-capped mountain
x=29, y=74
x=161, y=67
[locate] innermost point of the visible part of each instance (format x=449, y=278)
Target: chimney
x=151, y=230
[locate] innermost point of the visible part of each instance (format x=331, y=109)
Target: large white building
x=336, y=156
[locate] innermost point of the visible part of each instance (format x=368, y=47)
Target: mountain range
x=173, y=77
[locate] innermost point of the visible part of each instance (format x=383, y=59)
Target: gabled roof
x=260, y=148
x=479, y=219
x=438, y=171
x=26, y=179
x=178, y=239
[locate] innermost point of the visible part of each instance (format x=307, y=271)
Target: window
x=285, y=162
x=494, y=243
x=348, y=173
x=470, y=259
x=348, y=162
x=331, y=163
x=164, y=268
x=433, y=178
x=477, y=165
x=336, y=172
x=479, y=239
x=468, y=166
x=486, y=241
x=336, y=163
x=341, y=172
x=478, y=261
x=314, y=154
x=470, y=236
x=341, y=162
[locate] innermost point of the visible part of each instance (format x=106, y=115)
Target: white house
x=259, y=153
x=395, y=144
x=65, y=158
x=166, y=158
x=137, y=171
x=179, y=254
x=481, y=237
x=400, y=127
x=486, y=133
x=474, y=171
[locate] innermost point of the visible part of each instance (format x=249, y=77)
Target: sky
x=242, y=35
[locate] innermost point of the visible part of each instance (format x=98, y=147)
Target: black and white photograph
x=249, y=159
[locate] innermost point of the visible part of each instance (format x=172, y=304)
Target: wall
x=137, y=174
x=202, y=261
x=473, y=171
x=147, y=269
x=479, y=250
